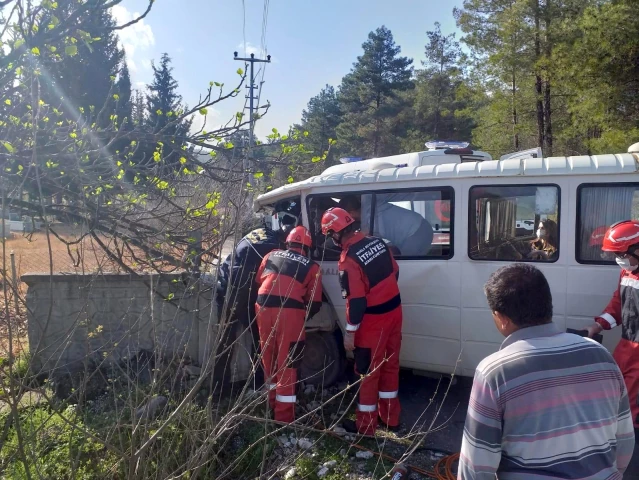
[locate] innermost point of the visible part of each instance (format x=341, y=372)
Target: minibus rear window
x=599, y=206
x=514, y=223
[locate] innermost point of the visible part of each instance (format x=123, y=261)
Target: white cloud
x=249, y=48
x=208, y=123
x=136, y=39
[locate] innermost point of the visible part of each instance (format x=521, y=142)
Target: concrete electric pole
x=252, y=108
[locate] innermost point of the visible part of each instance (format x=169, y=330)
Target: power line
x=251, y=60
x=244, y=25
x=263, y=48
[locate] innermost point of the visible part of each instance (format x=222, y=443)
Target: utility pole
x=252, y=60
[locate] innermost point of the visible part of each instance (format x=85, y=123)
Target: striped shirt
x=548, y=404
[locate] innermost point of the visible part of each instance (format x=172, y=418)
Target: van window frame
x=448, y=188
x=578, y=222
x=501, y=185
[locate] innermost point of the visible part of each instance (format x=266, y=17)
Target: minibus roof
x=382, y=172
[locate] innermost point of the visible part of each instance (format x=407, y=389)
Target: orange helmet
x=621, y=236
x=335, y=220
x=300, y=235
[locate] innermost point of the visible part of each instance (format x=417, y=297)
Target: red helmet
x=597, y=236
x=621, y=236
x=335, y=219
x=300, y=235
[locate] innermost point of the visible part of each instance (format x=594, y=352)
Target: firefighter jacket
x=245, y=260
x=288, y=279
x=623, y=308
x=368, y=276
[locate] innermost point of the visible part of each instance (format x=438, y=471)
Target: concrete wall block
x=114, y=316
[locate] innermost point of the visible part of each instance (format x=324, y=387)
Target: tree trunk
x=539, y=82
x=376, y=140
x=514, y=104
x=547, y=120
x=547, y=103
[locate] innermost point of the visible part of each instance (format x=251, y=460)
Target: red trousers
x=627, y=357
x=282, y=340
x=377, y=345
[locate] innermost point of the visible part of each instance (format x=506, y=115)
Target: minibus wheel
x=322, y=363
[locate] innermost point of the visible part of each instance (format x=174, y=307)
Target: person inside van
x=545, y=246
x=407, y=231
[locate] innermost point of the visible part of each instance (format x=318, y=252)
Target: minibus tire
x=323, y=362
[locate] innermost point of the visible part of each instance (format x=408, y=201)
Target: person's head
x=518, y=296
x=547, y=231
x=287, y=213
x=622, y=240
x=338, y=224
x=299, y=239
x=352, y=205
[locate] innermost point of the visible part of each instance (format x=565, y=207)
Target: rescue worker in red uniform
x=368, y=276
x=622, y=240
x=290, y=287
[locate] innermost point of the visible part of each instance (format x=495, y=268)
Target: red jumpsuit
x=368, y=277
x=623, y=310
x=288, y=283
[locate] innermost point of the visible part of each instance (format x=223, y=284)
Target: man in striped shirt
x=548, y=404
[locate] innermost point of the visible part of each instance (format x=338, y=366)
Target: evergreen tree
x=82, y=77
x=437, y=102
x=370, y=98
x=515, y=43
x=163, y=109
x=124, y=101
x=139, y=109
x=320, y=120
x=163, y=101
x=600, y=73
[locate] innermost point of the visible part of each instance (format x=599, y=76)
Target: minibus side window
x=415, y=224
x=598, y=207
x=323, y=247
x=504, y=223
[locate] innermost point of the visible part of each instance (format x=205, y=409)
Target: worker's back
x=285, y=279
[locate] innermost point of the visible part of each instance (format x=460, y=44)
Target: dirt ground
x=444, y=417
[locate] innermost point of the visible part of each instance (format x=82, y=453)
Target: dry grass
x=32, y=253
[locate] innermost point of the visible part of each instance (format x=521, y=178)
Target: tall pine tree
x=515, y=44
x=163, y=109
x=139, y=109
x=370, y=98
x=81, y=80
x=163, y=102
x=437, y=102
x=320, y=120
x=124, y=97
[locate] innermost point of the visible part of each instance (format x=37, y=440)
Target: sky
x=311, y=43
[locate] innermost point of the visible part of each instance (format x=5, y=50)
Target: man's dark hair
x=521, y=292
x=350, y=202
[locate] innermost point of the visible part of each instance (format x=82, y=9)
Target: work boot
x=349, y=425
x=395, y=429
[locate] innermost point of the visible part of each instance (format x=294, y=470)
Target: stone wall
x=113, y=316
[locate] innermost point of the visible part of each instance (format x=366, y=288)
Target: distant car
x=525, y=228
x=526, y=224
